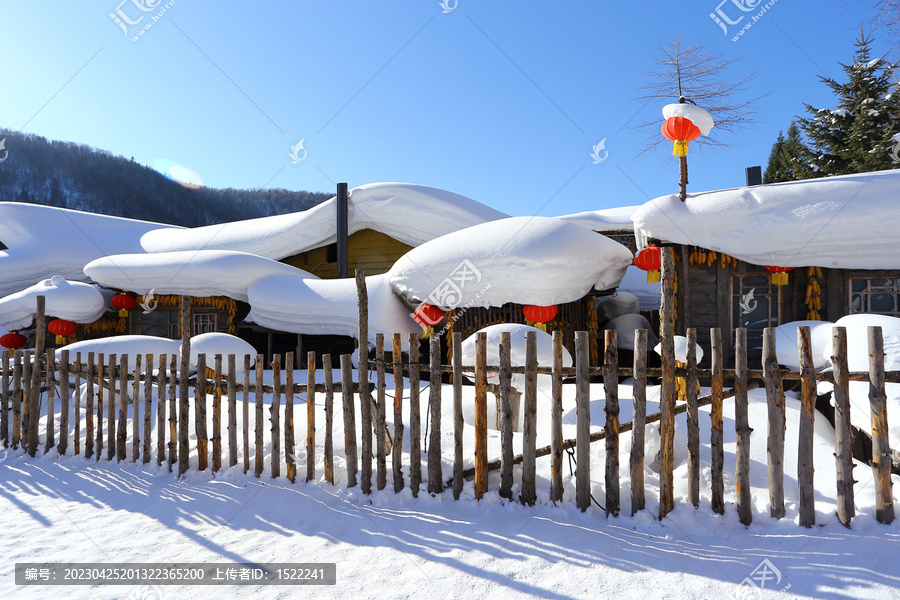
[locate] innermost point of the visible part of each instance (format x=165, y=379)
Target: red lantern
x=540, y=315
x=680, y=130
x=124, y=302
x=13, y=341
x=779, y=274
x=649, y=259
x=62, y=329
x=427, y=315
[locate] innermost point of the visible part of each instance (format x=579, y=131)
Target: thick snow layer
x=544, y=346
x=681, y=348
x=526, y=260
x=189, y=272
x=622, y=303
x=607, y=219
x=70, y=300
x=120, y=345
x=43, y=241
x=698, y=116
x=787, y=343
x=844, y=222
x=635, y=282
x=327, y=307
x=858, y=340
x=211, y=344
x=624, y=327
x=410, y=213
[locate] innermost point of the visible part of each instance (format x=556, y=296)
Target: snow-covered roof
x=606, y=219
x=847, y=222
x=526, y=260
x=70, y=300
x=188, y=272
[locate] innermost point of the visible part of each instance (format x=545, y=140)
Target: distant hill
x=80, y=177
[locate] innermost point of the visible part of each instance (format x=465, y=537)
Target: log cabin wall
x=371, y=250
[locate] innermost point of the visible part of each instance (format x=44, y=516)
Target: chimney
x=754, y=175
x=342, y=228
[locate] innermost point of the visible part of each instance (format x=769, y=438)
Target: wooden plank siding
x=367, y=249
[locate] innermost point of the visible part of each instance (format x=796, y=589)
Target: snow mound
x=195, y=273
x=787, y=343
x=624, y=327
x=622, y=303
x=681, y=348
x=385, y=207
x=845, y=222
x=858, y=340
x=327, y=307
x=120, y=345
x=211, y=344
x=526, y=260
x=70, y=300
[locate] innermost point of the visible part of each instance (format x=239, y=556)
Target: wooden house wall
x=367, y=249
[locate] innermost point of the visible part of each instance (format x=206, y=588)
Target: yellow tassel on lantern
x=60, y=340
x=779, y=278
x=653, y=277
x=123, y=312
x=680, y=148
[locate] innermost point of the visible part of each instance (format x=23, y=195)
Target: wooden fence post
x=456, y=340
x=480, y=415
x=667, y=390
x=116, y=384
x=200, y=414
x=717, y=451
x=135, y=411
x=259, y=450
x=50, y=423
x=28, y=365
x=100, y=375
x=556, y=439
x=245, y=413
x=639, y=420
x=328, y=459
x=505, y=423
x=173, y=410
x=805, y=465
x=350, y=418
x=5, y=404
x=88, y=408
x=435, y=481
x=76, y=438
x=275, y=417
x=742, y=428
x=415, y=431
x=583, y=424
x=64, y=401
x=777, y=424
x=161, y=389
x=310, y=415
x=183, y=396
x=290, y=460
x=17, y=399
x=611, y=391
x=232, y=411
x=148, y=412
x=381, y=413
x=842, y=436
x=365, y=402
x=529, y=425
x=217, y=414
x=881, y=448
x=397, y=457
x=35, y=381
x=692, y=391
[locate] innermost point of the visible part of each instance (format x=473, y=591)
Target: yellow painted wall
x=367, y=249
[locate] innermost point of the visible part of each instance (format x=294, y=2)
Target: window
x=204, y=323
x=160, y=323
x=755, y=304
x=875, y=295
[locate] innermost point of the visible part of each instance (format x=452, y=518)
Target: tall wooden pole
x=667, y=395
x=184, y=406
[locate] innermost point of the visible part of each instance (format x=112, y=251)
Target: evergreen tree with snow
x=789, y=158
x=856, y=137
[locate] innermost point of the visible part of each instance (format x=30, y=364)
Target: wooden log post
x=148, y=413
x=415, y=431
x=117, y=385
x=232, y=411
x=34, y=407
x=100, y=375
x=842, y=437
x=350, y=419
x=161, y=388
x=4, y=402
x=556, y=437
x=458, y=426
x=76, y=431
x=17, y=399
x=805, y=464
x=480, y=415
x=529, y=425
x=259, y=450
x=245, y=413
x=28, y=361
x=275, y=417
x=88, y=408
x=716, y=442
x=328, y=450
x=64, y=392
x=881, y=448
x=639, y=420
x=184, y=449
x=217, y=415
x=381, y=413
x=742, y=428
x=506, y=422
x=136, y=405
x=310, y=415
x=611, y=391
x=583, y=425
x=135, y=412
x=173, y=411
x=290, y=457
x=365, y=399
x=200, y=415
x=50, y=423
x=397, y=456
x=776, y=424
x=692, y=392
x=667, y=389
x=435, y=481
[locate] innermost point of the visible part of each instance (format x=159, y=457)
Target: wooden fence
x=30, y=379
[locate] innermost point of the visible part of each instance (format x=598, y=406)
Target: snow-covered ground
x=72, y=509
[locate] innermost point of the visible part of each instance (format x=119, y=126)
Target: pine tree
x=856, y=136
x=789, y=158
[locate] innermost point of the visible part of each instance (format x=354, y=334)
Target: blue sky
x=498, y=101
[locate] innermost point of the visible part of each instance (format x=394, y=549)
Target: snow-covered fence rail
x=90, y=401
